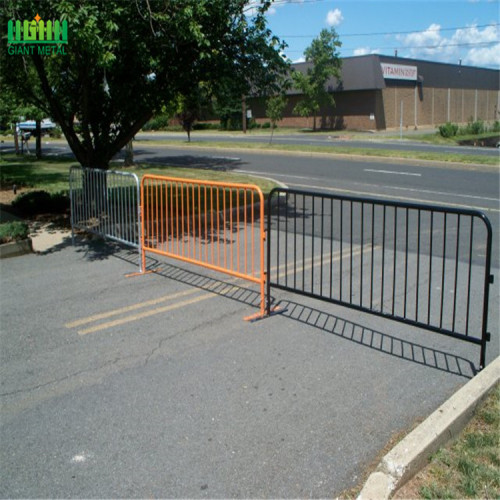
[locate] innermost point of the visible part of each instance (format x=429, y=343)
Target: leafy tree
x=126, y=59
x=190, y=106
x=274, y=111
x=324, y=55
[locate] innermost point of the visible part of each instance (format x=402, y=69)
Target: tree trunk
x=38, y=138
x=272, y=131
x=129, y=154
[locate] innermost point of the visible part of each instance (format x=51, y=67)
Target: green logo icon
x=48, y=37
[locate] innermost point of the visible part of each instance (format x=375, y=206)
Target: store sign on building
x=399, y=72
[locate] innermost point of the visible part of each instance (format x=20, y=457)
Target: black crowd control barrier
x=424, y=265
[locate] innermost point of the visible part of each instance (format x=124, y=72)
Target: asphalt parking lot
x=154, y=386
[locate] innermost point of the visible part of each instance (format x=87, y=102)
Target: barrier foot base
x=262, y=315
x=133, y=275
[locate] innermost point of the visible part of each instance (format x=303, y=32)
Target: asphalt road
x=154, y=386
x=459, y=186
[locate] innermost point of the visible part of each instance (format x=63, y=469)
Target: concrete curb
x=412, y=453
x=15, y=248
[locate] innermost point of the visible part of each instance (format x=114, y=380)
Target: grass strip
x=469, y=467
x=51, y=174
x=339, y=150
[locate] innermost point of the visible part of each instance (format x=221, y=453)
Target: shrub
x=56, y=133
x=448, y=129
x=206, y=126
x=496, y=126
x=13, y=231
x=159, y=122
x=266, y=125
x=40, y=202
x=474, y=127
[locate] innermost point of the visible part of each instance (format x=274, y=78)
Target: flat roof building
x=380, y=92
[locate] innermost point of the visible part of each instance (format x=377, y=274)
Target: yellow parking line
x=307, y=263
x=145, y=314
x=126, y=309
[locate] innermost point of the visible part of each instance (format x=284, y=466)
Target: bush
x=55, y=133
x=496, y=126
x=13, y=231
x=448, y=129
x=206, y=126
x=159, y=122
x=266, y=125
x=41, y=202
x=473, y=128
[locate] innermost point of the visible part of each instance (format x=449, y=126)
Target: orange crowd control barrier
x=217, y=225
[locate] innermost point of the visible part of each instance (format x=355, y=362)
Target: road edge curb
x=411, y=454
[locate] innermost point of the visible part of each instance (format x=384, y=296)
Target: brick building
x=380, y=92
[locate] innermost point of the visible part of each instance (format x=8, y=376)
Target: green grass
x=52, y=174
x=340, y=150
x=13, y=231
x=470, y=466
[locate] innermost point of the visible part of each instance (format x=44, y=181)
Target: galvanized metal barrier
x=106, y=203
x=216, y=225
x=427, y=266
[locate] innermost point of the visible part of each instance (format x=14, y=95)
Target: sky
x=440, y=30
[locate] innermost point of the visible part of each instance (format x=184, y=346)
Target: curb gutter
x=411, y=454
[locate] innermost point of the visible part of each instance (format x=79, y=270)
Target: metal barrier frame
x=473, y=214
x=191, y=221
x=94, y=213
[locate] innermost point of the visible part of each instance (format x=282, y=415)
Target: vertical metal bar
x=178, y=197
x=303, y=241
x=487, y=282
x=331, y=248
x=431, y=237
x=383, y=260
x=341, y=245
x=405, y=299
x=351, y=271
x=253, y=233
x=245, y=233
x=269, y=243
x=278, y=237
x=188, y=220
x=322, y=239
x=456, y=274
x=394, y=262
x=139, y=223
x=295, y=240
x=72, y=204
x=372, y=251
x=362, y=252
x=199, y=221
x=286, y=239
x=238, y=193
x=156, y=210
x=313, y=216
x=418, y=266
x=443, y=271
x=193, y=227
x=230, y=191
x=470, y=274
